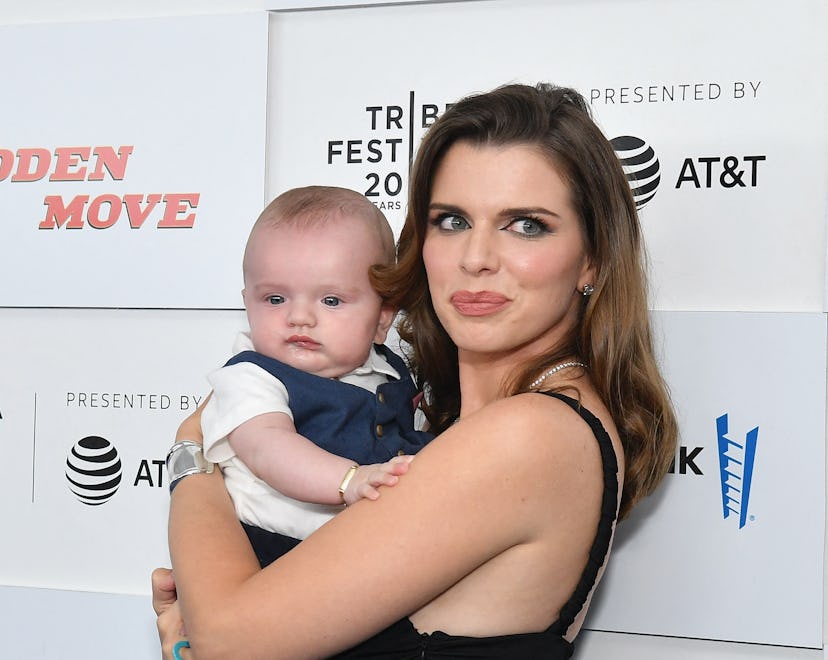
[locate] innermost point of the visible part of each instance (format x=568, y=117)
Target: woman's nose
x=480, y=251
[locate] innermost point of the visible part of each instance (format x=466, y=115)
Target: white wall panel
x=133, y=182
x=291, y=5
x=47, y=624
x=614, y=646
x=127, y=377
x=51, y=11
x=725, y=93
x=680, y=567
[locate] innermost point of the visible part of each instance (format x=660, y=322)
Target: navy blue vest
x=348, y=420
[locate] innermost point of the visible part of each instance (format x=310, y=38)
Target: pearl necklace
x=558, y=367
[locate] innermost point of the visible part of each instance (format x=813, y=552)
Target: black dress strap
x=606, y=523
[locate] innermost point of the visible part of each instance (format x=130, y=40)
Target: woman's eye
x=331, y=301
x=528, y=226
x=451, y=222
x=275, y=300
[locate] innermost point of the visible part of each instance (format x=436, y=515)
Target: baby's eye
x=331, y=301
x=527, y=226
x=451, y=222
x=275, y=300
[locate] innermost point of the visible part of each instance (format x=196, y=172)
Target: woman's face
x=504, y=251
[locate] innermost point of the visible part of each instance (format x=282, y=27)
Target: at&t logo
x=735, y=470
x=640, y=165
x=724, y=171
x=93, y=470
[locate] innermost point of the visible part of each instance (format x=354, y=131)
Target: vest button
x=381, y=397
x=378, y=429
x=400, y=453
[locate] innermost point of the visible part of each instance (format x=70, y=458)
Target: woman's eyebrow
x=528, y=210
x=509, y=212
x=439, y=206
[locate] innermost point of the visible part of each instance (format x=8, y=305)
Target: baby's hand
x=368, y=478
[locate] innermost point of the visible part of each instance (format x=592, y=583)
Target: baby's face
x=308, y=298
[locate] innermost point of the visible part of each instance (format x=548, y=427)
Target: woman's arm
x=484, y=486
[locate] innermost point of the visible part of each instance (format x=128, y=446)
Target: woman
x=521, y=281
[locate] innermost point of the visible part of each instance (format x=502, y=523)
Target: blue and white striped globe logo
x=641, y=166
x=93, y=470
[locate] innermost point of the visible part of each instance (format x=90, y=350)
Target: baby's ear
x=386, y=319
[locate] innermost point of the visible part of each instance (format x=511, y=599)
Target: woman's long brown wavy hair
x=613, y=335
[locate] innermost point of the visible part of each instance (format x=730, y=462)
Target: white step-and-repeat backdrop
x=132, y=160
x=721, y=107
x=132, y=165
x=137, y=153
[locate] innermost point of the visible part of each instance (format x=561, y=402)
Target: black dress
x=401, y=641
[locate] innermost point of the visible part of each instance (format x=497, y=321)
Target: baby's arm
x=272, y=449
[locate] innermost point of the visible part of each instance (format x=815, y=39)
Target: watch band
x=185, y=458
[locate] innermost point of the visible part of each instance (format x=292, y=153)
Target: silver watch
x=186, y=458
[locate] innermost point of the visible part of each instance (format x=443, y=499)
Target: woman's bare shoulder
x=533, y=423
x=523, y=479
x=529, y=446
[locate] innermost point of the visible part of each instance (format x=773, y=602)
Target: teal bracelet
x=183, y=644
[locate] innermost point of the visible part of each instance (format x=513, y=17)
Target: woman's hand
x=163, y=590
x=165, y=603
x=171, y=634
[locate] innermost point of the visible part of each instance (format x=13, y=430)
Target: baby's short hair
x=315, y=206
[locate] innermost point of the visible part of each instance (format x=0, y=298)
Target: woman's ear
x=588, y=275
x=386, y=319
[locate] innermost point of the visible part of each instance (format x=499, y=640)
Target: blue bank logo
x=735, y=470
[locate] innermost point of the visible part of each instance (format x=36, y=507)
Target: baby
x=313, y=412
